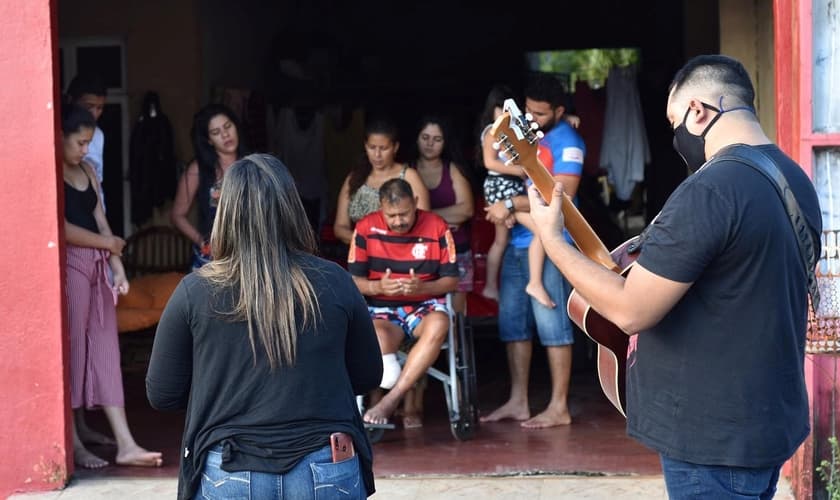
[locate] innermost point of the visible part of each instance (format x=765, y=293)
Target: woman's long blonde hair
x=259, y=238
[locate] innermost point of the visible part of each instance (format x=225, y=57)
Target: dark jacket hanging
x=152, y=169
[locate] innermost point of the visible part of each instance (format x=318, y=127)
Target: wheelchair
x=459, y=384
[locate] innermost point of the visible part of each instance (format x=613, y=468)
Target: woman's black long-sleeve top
x=265, y=420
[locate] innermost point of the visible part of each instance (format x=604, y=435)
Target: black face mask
x=692, y=147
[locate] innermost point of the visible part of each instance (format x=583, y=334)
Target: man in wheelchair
x=403, y=260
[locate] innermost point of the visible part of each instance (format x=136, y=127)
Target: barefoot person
x=519, y=317
x=502, y=184
x=95, y=376
x=403, y=260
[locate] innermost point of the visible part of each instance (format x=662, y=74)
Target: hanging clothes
x=152, y=169
x=624, y=149
x=344, y=134
x=297, y=138
x=590, y=105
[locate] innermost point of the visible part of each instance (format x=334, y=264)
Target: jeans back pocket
x=342, y=480
x=218, y=484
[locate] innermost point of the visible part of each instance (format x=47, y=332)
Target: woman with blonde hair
x=266, y=347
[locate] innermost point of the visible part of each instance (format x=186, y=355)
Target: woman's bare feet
x=538, y=291
x=82, y=457
x=509, y=411
x=548, y=418
x=491, y=293
x=138, y=456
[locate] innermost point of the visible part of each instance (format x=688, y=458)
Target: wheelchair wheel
x=465, y=426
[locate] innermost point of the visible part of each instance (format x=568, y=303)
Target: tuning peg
x=540, y=134
x=496, y=146
x=529, y=116
x=535, y=125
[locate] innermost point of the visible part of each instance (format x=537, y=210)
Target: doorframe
x=794, y=30
x=116, y=96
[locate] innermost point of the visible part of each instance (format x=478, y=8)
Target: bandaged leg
x=391, y=370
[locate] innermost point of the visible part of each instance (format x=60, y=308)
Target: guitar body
x=612, y=341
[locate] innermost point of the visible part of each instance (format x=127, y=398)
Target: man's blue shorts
x=520, y=314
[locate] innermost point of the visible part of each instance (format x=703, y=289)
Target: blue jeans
x=685, y=480
x=520, y=314
x=315, y=477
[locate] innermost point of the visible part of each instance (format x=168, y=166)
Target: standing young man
x=89, y=92
x=718, y=296
x=521, y=316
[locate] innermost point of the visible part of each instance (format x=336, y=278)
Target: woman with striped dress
x=95, y=375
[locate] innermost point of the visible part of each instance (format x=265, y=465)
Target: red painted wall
x=34, y=417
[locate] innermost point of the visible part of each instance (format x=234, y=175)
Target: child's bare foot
x=537, y=291
x=87, y=460
x=491, y=293
x=138, y=456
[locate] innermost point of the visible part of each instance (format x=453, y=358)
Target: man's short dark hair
x=544, y=87
x=394, y=191
x=710, y=71
x=86, y=83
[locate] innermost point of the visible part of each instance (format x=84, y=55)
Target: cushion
x=142, y=306
x=136, y=297
x=131, y=319
x=159, y=286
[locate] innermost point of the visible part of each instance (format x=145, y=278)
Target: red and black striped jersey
x=428, y=248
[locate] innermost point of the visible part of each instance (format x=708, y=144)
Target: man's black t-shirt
x=719, y=381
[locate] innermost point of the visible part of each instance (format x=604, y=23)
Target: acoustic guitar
x=518, y=138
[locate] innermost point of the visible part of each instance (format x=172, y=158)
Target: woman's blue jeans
x=685, y=480
x=315, y=477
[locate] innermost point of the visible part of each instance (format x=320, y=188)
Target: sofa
x=155, y=259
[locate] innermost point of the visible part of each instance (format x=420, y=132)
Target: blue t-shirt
x=567, y=152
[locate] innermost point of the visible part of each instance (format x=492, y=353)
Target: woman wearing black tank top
x=91, y=250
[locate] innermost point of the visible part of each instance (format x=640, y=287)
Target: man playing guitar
x=718, y=296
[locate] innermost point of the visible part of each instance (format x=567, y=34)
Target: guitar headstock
x=516, y=134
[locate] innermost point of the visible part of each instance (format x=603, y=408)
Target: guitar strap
x=758, y=160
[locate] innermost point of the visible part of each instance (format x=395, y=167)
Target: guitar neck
x=585, y=238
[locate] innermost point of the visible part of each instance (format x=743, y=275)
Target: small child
x=504, y=182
